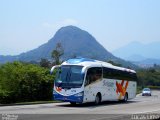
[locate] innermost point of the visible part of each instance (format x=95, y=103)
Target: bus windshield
x=69, y=76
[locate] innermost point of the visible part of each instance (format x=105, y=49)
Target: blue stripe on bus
x=72, y=98
x=79, y=60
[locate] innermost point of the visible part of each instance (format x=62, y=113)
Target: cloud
x=69, y=22
x=59, y=24
x=47, y=25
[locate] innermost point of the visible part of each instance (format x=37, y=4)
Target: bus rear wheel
x=125, y=98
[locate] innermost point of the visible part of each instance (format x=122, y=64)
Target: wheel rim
x=125, y=98
x=97, y=99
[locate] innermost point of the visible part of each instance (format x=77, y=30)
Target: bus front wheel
x=73, y=103
x=98, y=99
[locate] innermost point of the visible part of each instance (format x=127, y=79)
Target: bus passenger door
x=92, y=81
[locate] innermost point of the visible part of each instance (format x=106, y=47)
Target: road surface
x=141, y=105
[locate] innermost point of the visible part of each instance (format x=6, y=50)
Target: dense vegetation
x=149, y=77
x=21, y=82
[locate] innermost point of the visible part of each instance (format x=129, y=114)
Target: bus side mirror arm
x=53, y=68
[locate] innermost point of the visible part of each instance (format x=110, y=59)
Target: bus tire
x=125, y=98
x=73, y=103
x=98, y=99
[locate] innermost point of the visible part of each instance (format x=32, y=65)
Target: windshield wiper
x=68, y=75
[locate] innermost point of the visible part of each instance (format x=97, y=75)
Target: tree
x=44, y=63
x=57, y=53
x=73, y=55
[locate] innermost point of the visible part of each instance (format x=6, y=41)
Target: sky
x=26, y=24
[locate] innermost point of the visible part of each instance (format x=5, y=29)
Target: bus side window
x=93, y=74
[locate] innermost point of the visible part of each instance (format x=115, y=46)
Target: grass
x=154, y=87
x=30, y=103
x=139, y=89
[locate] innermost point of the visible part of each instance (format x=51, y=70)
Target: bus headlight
x=79, y=94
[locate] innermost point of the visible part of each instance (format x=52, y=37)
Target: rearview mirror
x=53, y=68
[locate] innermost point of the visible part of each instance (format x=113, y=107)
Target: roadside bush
x=148, y=77
x=20, y=82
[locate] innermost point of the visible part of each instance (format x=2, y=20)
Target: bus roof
x=93, y=63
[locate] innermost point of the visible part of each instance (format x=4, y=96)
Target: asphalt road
x=133, y=109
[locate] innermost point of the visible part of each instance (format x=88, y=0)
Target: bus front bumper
x=73, y=98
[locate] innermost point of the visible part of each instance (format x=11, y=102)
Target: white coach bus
x=82, y=80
